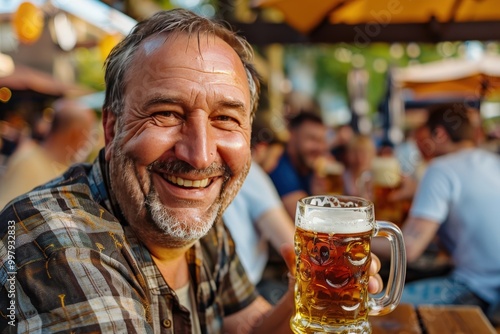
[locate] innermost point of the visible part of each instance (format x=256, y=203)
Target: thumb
x=288, y=253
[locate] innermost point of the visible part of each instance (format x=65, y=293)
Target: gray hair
x=170, y=22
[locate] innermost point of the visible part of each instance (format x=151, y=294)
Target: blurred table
x=433, y=319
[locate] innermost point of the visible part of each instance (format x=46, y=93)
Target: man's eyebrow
x=232, y=104
x=158, y=100
x=224, y=104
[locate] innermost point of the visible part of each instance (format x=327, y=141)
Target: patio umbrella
x=477, y=79
x=306, y=15
x=387, y=12
x=388, y=20
x=302, y=15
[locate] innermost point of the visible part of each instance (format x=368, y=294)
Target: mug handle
x=395, y=284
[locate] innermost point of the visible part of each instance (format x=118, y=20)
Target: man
x=294, y=175
x=69, y=140
x=458, y=200
x=134, y=243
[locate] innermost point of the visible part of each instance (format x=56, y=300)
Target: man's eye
x=226, y=122
x=165, y=118
x=225, y=118
x=163, y=114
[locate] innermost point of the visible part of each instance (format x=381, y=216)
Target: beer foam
x=334, y=168
x=335, y=221
x=324, y=167
x=386, y=172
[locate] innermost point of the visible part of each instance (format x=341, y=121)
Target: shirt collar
x=101, y=187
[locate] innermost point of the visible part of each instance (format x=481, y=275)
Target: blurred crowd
x=318, y=159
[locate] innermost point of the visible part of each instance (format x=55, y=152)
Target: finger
x=374, y=265
x=375, y=284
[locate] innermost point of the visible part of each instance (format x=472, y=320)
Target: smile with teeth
x=187, y=183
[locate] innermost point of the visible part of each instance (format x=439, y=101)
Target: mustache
x=182, y=167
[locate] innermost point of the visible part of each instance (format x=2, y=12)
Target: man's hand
x=375, y=284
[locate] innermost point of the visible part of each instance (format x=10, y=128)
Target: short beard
x=151, y=220
x=172, y=231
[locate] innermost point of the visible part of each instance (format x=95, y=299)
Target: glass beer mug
x=332, y=171
x=386, y=177
x=332, y=247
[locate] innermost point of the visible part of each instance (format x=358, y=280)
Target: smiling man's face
x=181, y=148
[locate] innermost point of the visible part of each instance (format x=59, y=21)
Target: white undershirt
x=187, y=299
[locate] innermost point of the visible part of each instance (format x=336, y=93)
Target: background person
x=360, y=153
x=267, y=144
x=457, y=200
x=68, y=141
x=343, y=134
x=294, y=176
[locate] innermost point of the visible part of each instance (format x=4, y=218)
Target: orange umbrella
x=410, y=11
x=304, y=16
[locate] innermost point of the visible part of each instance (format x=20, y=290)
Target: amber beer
x=386, y=177
x=330, y=281
x=332, y=171
x=332, y=246
x=334, y=179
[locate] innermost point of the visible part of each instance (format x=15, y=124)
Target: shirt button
x=167, y=323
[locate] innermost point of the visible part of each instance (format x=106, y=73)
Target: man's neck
x=172, y=264
x=464, y=144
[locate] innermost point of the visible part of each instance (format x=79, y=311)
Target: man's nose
x=197, y=145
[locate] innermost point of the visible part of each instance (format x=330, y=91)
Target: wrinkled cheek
x=237, y=156
x=135, y=177
x=144, y=145
x=142, y=154
x=235, y=152
x=144, y=180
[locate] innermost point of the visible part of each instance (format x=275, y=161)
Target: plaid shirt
x=80, y=269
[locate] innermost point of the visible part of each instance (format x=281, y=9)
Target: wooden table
x=433, y=319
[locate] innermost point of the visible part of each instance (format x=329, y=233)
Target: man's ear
x=108, y=123
x=440, y=135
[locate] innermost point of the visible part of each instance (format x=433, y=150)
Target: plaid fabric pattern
x=80, y=268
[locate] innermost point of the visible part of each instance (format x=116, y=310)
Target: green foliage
x=165, y=4
x=332, y=63
x=89, y=66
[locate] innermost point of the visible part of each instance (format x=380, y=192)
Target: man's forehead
x=199, y=58
x=153, y=43
x=190, y=41
x=204, y=50
x=311, y=126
